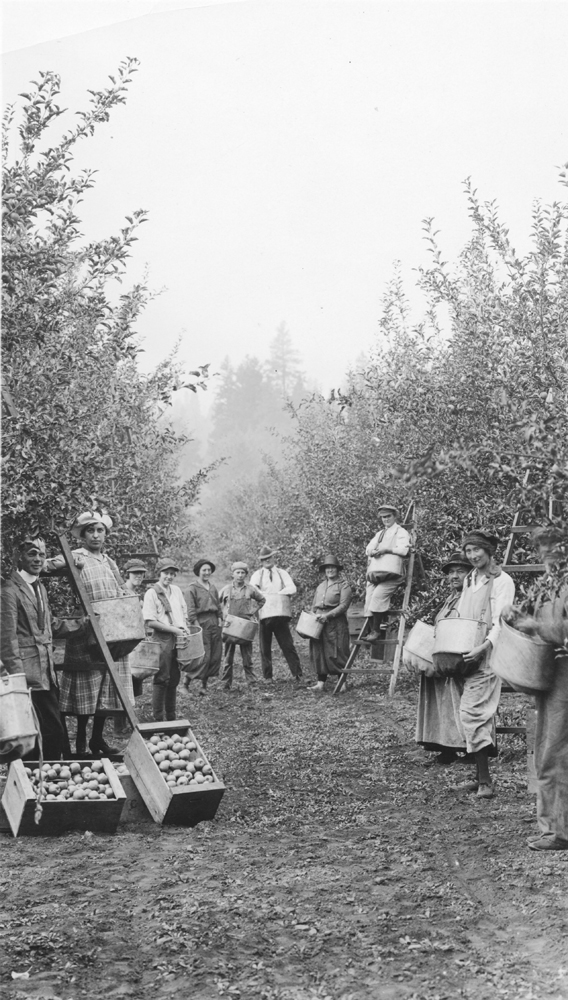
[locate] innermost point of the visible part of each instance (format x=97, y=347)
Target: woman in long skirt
x=87, y=689
x=438, y=726
x=330, y=652
x=204, y=609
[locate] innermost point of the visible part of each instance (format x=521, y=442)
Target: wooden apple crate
x=184, y=805
x=19, y=802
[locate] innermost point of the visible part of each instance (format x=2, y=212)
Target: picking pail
x=239, y=629
x=18, y=731
x=276, y=606
x=458, y=635
x=418, y=649
x=308, y=626
x=121, y=622
x=144, y=661
x=190, y=647
x=526, y=662
x=385, y=567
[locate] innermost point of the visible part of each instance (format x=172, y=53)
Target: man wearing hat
x=438, y=726
x=242, y=600
x=394, y=539
x=165, y=611
x=26, y=640
x=276, y=586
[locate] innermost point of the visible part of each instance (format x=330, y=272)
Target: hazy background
x=287, y=152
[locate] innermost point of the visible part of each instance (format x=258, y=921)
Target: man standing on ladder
x=392, y=539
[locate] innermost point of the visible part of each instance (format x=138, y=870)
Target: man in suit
x=26, y=640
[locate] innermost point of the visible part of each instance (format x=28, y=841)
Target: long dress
x=204, y=609
x=438, y=725
x=330, y=652
x=551, y=741
x=91, y=691
x=482, y=689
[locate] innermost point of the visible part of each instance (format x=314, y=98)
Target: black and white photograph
x=284, y=500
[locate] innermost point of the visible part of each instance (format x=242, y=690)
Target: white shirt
x=502, y=593
x=281, y=582
x=29, y=579
x=395, y=539
x=153, y=609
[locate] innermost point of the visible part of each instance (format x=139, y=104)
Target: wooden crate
x=19, y=802
x=184, y=805
x=355, y=619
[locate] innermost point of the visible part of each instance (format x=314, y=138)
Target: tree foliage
x=82, y=424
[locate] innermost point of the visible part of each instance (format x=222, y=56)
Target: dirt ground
x=339, y=867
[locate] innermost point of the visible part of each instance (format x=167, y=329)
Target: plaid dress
x=91, y=691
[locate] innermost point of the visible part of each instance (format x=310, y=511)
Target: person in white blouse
x=486, y=592
x=392, y=538
x=165, y=611
x=276, y=586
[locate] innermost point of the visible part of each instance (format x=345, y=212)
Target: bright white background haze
x=287, y=152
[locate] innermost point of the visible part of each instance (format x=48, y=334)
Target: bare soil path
x=340, y=867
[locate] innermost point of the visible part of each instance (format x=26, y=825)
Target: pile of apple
x=75, y=781
x=177, y=759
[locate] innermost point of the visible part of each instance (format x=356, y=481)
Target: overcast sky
x=287, y=152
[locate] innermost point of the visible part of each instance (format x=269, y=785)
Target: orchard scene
x=340, y=863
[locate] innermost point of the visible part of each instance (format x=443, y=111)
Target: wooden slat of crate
x=98, y=816
x=183, y=805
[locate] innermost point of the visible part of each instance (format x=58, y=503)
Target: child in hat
x=242, y=600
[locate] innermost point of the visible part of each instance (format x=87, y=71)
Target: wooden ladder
x=359, y=643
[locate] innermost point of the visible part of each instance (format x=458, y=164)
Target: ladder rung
x=510, y=729
x=520, y=529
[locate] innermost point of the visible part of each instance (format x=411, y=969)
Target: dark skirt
x=329, y=653
x=209, y=664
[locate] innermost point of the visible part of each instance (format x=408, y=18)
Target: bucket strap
x=164, y=601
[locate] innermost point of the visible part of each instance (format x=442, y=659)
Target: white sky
x=287, y=152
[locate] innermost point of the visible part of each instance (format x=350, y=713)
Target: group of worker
x=456, y=714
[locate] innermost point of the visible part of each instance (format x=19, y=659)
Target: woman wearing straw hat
x=486, y=592
x=438, y=726
x=394, y=539
x=89, y=691
x=204, y=609
x=165, y=611
x=330, y=652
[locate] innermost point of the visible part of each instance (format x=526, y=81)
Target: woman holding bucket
x=242, y=600
x=85, y=688
x=486, y=592
x=330, y=652
x=165, y=611
x=204, y=609
x=392, y=540
x=438, y=726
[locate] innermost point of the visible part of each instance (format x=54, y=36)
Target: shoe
x=371, y=637
x=485, y=791
x=538, y=836
x=102, y=749
x=445, y=759
x=202, y=692
x=186, y=682
x=81, y=750
x=318, y=688
x=548, y=843
x=465, y=786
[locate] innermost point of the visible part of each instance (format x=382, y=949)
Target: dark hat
x=482, y=539
x=203, y=562
x=456, y=559
x=266, y=552
x=135, y=566
x=330, y=560
x=388, y=507
x=166, y=563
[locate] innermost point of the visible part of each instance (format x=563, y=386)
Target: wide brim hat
x=203, y=562
x=88, y=517
x=135, y=566
x=330, y=560
x=165, y=564
x=389, y=508
x=456, y=559
x=482, y=539
x=266, y=552
x=239, y=565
